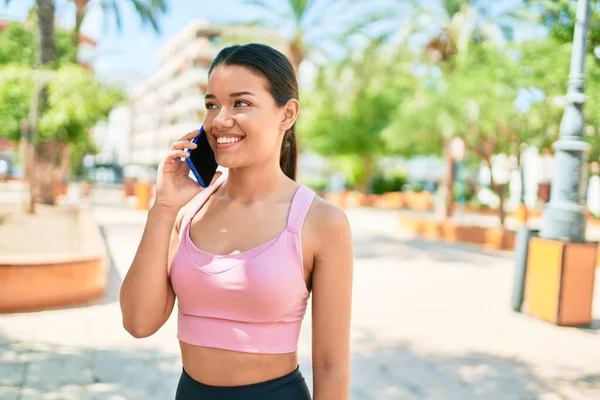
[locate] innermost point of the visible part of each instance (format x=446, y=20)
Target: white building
x=170, y=102
x=112, y=137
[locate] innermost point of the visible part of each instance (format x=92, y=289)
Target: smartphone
x=202, y=160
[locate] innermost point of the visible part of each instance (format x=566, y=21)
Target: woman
x=243, y=255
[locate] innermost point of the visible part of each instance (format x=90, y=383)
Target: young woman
x=243, y=256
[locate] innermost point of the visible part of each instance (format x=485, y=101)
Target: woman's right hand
x=174, y=187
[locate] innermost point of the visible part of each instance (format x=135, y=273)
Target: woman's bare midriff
x=218, y=367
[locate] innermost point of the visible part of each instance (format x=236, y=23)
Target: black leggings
x=288, y=387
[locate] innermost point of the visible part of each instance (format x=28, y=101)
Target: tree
x=18, y=44
x=559, y=17
x=311, y=22
x=545, y=65
x=451, y=26
x=76, y=101
x=474, y=101
x=148, y=11
x=346, y=115
x=63, y=122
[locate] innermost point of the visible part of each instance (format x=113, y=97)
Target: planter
x=129, y=187
x=390, y=200
x=489, y=238
x=336, y=198
x=354, y=199
x=143, y=193
x=45, y=281
x=560, y=281
x=418, y=201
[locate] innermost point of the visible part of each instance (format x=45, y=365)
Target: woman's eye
x=210, y=106
x=240, y=103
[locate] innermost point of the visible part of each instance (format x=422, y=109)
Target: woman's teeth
x=228, y=139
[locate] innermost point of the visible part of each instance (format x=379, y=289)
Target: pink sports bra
x=253, y=301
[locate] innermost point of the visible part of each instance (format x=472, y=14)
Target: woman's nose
x=223, y=119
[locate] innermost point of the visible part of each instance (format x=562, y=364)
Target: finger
x=191, y=135
x=183, y=144
x=176, y=154
x=217, y=176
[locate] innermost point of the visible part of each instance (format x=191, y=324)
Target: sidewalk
x=430, y=321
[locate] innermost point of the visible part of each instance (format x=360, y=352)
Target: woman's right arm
x=147, y=297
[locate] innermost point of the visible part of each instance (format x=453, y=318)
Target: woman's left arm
x=331, y=303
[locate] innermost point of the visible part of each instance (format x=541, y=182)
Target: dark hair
x=283, y=86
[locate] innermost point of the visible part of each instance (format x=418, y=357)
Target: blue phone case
x=191, y=165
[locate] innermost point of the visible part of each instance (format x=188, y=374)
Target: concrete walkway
x=430, y=321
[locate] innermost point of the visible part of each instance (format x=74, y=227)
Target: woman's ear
x=290, y=114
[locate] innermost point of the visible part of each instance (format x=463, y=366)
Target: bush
x=384, y=184
x=416, y=187
x=464, y=191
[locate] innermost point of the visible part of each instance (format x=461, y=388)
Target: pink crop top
x=253, y=301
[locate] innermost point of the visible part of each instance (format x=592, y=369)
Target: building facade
x=170, y=102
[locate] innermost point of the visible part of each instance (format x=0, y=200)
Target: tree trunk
x=45, y=171
x=46, y=152
x=296, y=53
x=80, y=9
x=499, y=190
x=45, y=12
x=365, y=185
x=448, y=183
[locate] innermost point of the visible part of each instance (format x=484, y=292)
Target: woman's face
x=243, y=123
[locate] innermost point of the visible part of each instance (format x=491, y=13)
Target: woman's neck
x=253, y=183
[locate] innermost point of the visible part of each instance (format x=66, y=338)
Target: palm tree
x=45, y=13
x=148, y=11
x=45, y=152
x=310, y=21
x=454, y=24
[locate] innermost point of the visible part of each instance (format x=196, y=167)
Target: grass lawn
x=51, y=230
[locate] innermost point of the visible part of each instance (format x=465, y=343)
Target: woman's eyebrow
x=234, y=94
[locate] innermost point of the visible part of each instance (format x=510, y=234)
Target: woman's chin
x=226, y=162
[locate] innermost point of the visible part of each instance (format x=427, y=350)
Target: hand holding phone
x=174, y=186
x=202, y=161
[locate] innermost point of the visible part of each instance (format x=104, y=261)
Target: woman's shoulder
x=325, y=218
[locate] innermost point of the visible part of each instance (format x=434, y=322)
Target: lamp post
x=564, y=216
x=559, y=266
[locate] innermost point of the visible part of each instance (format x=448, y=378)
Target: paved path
x=429, y=322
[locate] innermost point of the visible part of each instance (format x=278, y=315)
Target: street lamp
x=564, y=216
x=558, y=267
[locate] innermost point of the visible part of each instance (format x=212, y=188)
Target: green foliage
x=19, y=45
x=16, y=85
x=559, y=17
x=346, y=113
x=388, y=183
x=76, y=102
x=546, y=66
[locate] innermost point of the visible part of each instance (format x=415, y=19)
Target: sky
x=130, y=55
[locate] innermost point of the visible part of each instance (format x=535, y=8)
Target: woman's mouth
x=228, y=141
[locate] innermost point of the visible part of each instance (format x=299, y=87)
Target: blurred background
x=431, y=123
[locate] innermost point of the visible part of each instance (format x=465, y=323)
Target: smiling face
x=243, y=122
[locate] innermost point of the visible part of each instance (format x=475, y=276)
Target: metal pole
x=564, y=216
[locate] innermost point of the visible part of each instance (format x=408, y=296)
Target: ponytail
x=289, y=153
